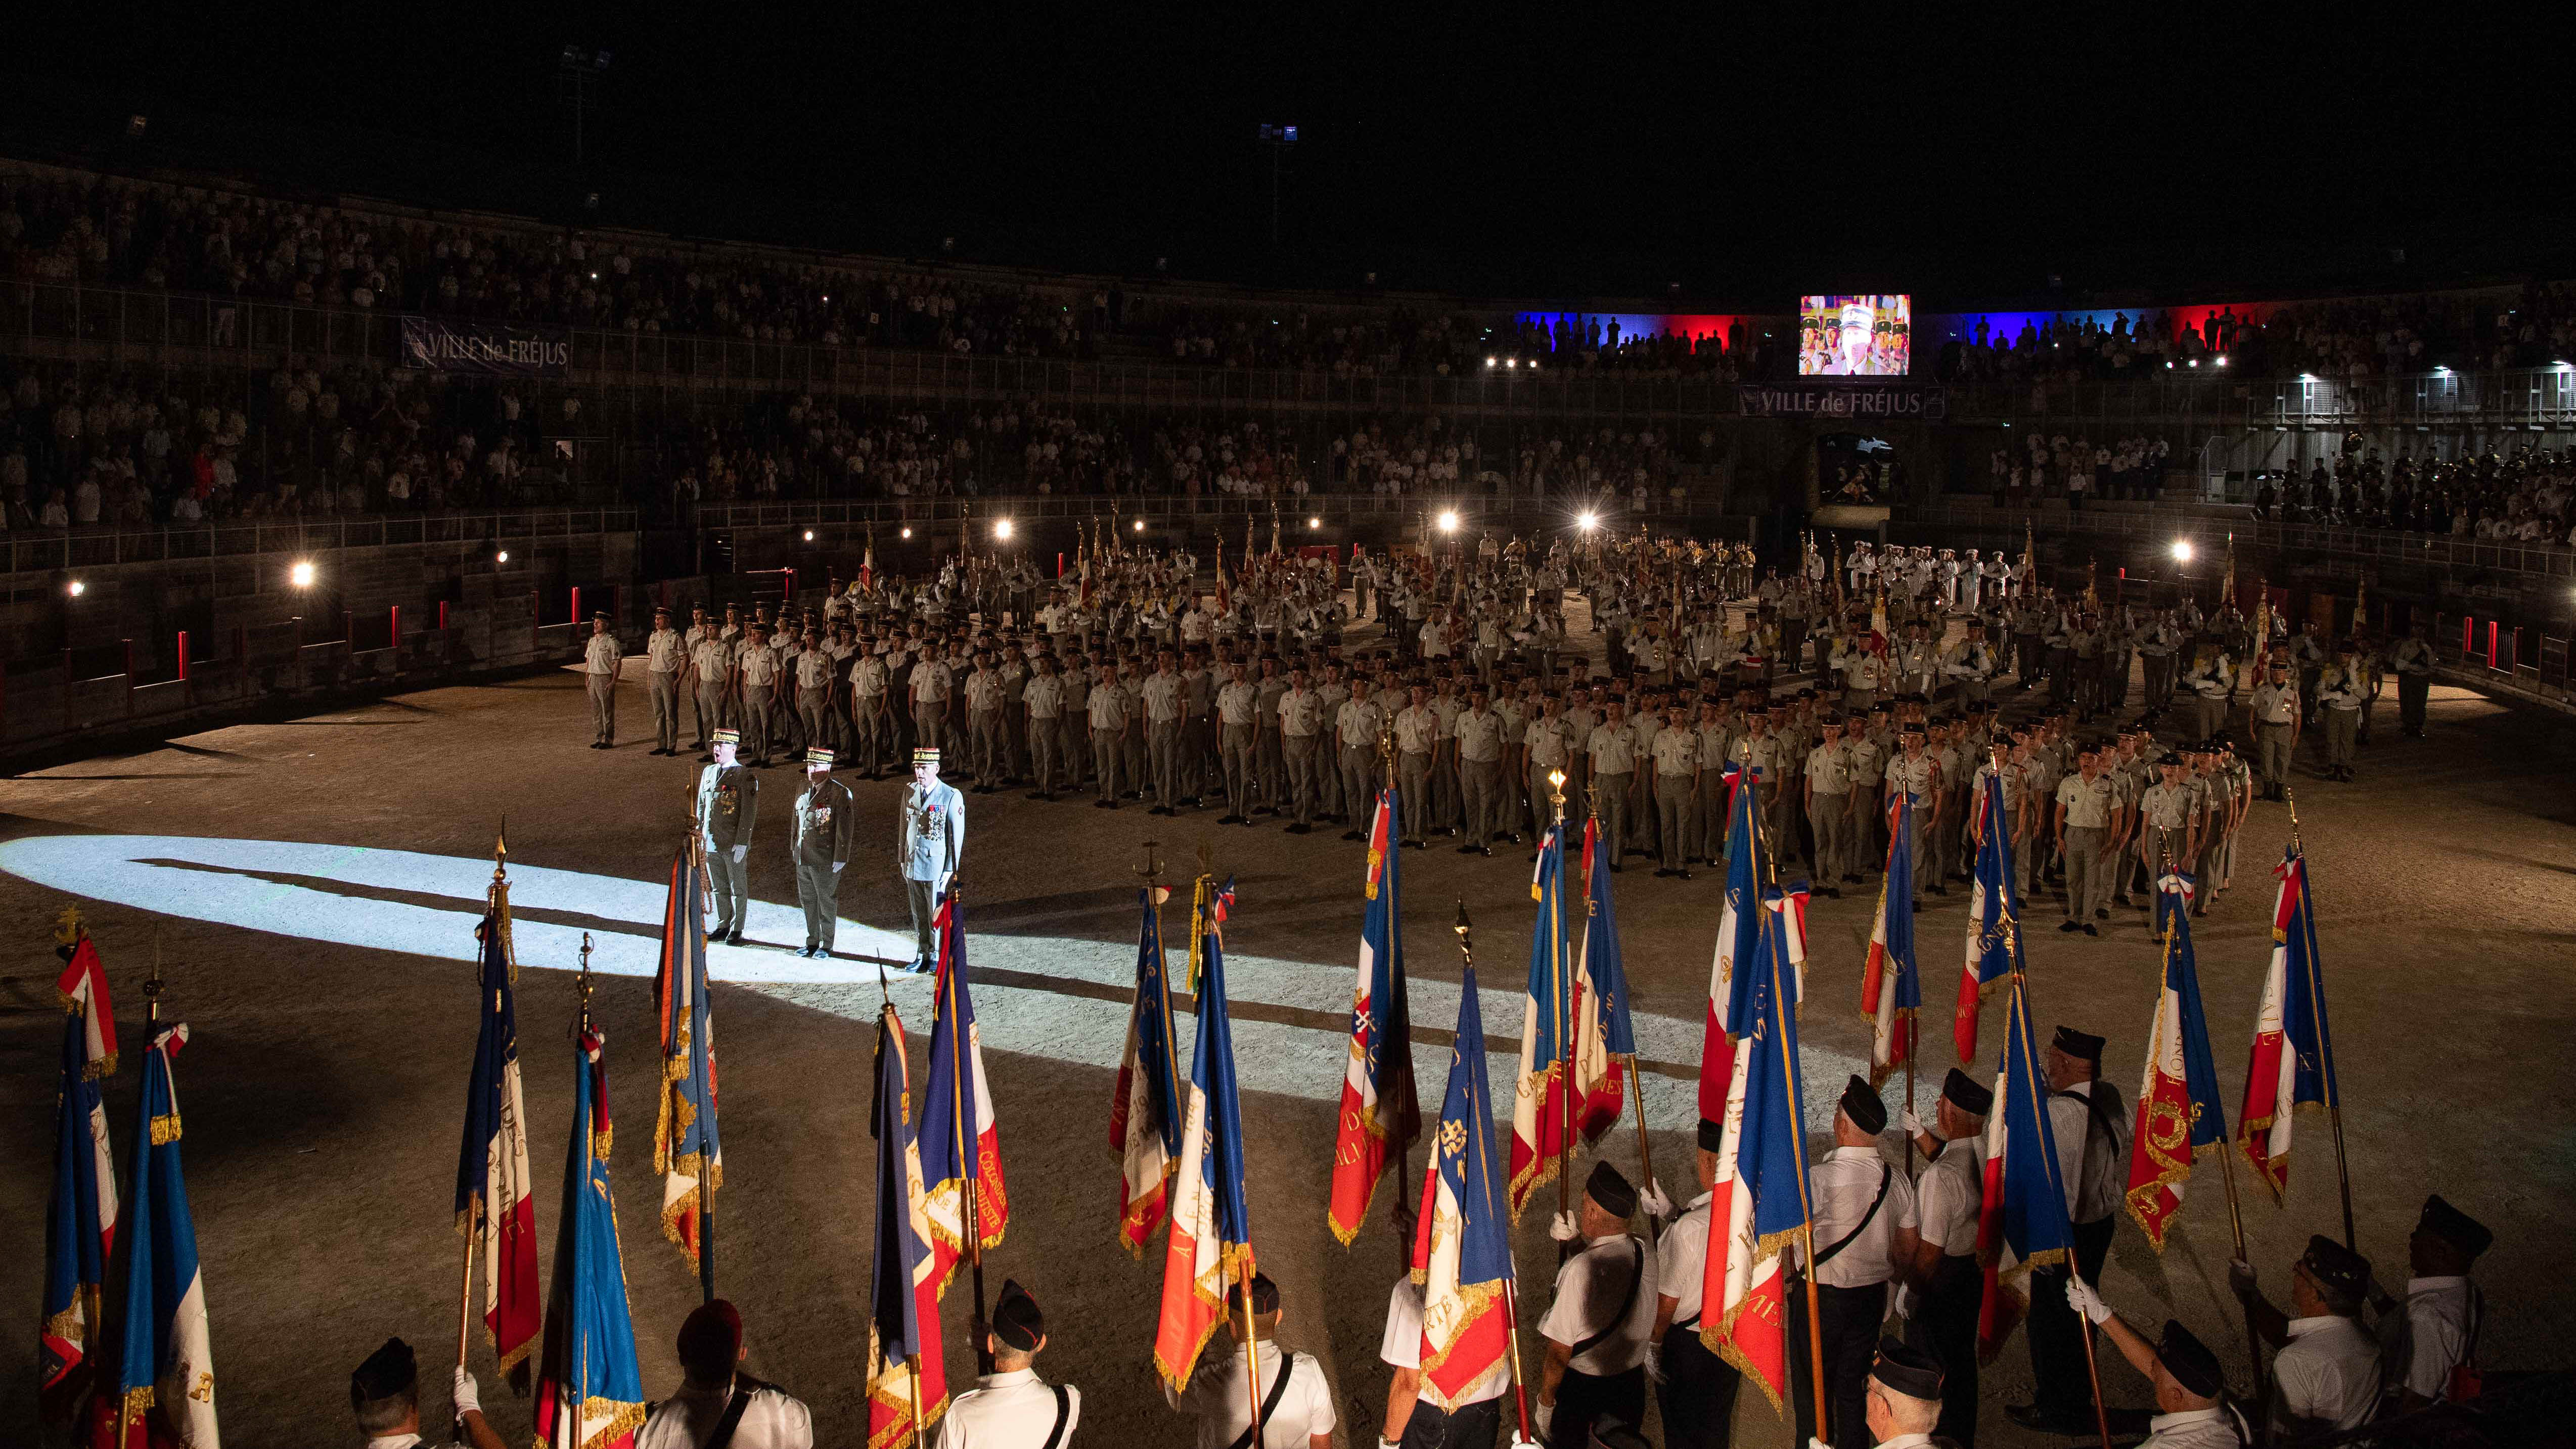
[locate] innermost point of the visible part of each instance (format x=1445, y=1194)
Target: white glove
x=1386, y=1443
x=1656, y=1203
x=2081, y=1297
x=1655, y=1361
x=1818, y=1444
x=740, y=852
x=1912, y=1124
x=462, y=1392
x=1562, y=1227
x=1905, y=1301
x=1540, y=1416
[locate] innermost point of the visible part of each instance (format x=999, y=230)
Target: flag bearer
x=1602, y=1322
x=1011, y=1407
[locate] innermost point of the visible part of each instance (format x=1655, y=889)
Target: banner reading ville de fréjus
x=484, y=347
x=1831, y=400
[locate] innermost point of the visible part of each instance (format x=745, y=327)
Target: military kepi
x=726, y=735
x=1608, y=1187
x=819, y=757
x=1862, y=1104
x=926, y=755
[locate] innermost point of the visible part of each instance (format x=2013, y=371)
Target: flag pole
x=2317, y=993
x=1564, y=1021
x=1401, y=1213
x=1913, y=1044
x=1485, y=1176
x=2021, y=991
x=1789, y=1072
x=1251, y=1342
x=970, y=1216
x=2226, y=1169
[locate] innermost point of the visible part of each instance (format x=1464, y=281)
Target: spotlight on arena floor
x=2182, y=550
x=300, y=573
x=1449, y=520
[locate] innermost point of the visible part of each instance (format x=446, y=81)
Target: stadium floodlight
x=907, y=530
x=1587, y=520
x=2182, y=550
x=1002, y=528
x=75, y=588
x=501, y=557
x=1138, y=526
x=2222, y=359
x=300, y=573
x=809, y=535
x=1489, y=362
x=1515, y=362
x=1314, y=523
x=1449, y=520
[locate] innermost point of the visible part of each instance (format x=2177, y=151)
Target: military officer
x=1866, y=1237
x=819, y=839
x=664, y=653
x=933, y=837
x=1301, y=723
x=1355, y=732
x=2082, y=830
x=1011, y=1407
x=2342, y=691
x=2273, y=712
x=599, y=662
x=1602, y=1320
x=1677, y=766
x=757, y=672
x=728, y=808
x=384, y=1392
x=1611, y=783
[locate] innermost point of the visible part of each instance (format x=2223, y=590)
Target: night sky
x=2160, y=157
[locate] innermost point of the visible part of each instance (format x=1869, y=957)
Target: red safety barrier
x=576, y=608
x=2495, y=630
x=2468, y=637
x=393, y=628
x=442, y=616
x=183, y=656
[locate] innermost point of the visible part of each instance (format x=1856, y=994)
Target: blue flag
x=904, y=1367
x=1210, y=1245
x=961, y=1136
x=1994, y=918
x=590, y=1394
x=80, y=1221
x=1462, y=1251
x=1381, y=1113
x=165, y=1292
x=2178, y=1110
x=2025, y=1198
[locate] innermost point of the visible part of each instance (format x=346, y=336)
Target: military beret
x=711, y=1337
x=389, y=1372
x=1608, y=1187
x=2454, y=1226
x=1712, y=1135
x=1265, y=1294
x=1017, y=1320
x=1904, y=1369
x=2335, y=1266
x=2078, y=1044
x=2189, y=1362
x=1862, y=1104
x=1965, y=1093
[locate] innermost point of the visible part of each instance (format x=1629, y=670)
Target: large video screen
x=1854, y=336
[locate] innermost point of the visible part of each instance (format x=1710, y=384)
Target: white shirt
x=1681, y=1259
x=2208, y=1428
x=2092, y=1165
x=1950, y=1195
x=1401, y=1347
x=1014, y=1410
x=2327, y=1376
x=688, y=1418
x=1842, y=1184
x=1216, y=1396
x=2437, y=1335
x=601, y=655
x=1588, y=1289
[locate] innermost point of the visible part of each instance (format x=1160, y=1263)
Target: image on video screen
x=1854, y=336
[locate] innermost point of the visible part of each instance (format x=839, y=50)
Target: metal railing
x=2209, y=532
x=100, y=547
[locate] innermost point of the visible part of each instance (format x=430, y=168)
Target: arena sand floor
x=327, y=981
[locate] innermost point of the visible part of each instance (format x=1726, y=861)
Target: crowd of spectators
x=2528, y=498
x=1403, y=340
x=2052, y=465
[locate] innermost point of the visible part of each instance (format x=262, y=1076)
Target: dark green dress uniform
x=825, y=825
x=728, y=807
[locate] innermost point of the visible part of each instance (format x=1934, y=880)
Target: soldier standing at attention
x=1677, y=768
x=757, y=670
x=1948, y=1198
x=599, y=668
x=2412, y=661
x=663, y=655
x=825, y=827
x=2273, y=711
x=1613, y=752
x=1866, y=1237
x=1601, y=1324
x=702, y=630
x=711, y=662
x=928, y=690
x=728, y=807
x=1301, y=719
x=1043, y=698
x=933, y=837
x=1355, y=733
x=2342, y=690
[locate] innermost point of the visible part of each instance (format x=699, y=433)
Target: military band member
x=1866, y=1238
x=384, y=1393
x=2327, y=1374
x=1948, y=1197
x=823, y=828
x=728, y=808
x=1696, y=1388
x=2192, y=1411
x=664, y=655
x=600, y=658
x=2211, y=679
x=932, y=839
x=1011, y=1407
x=1296, y=1403
x=1601, y=1323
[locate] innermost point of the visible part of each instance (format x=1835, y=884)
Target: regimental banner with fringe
x=2024, y=1208
x=492, y=1168
x=2178, y=1111
x=166, y=1340
x=1994, y=913
x=687, y=1149
x=1605, y=1042
x=1210, y=1246
x=1462, y=1248
x=1758, y=1202
x=2293, y=1058
x=1145, y=1110
x=907, y=1377
x=80, y=1216
x=1381, y=1111
x=961, y=1138
x=1538, y=1097
x=1890, y=986
x=1739, y=936
x=590, y=1393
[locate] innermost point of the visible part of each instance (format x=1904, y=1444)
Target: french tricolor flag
x=165, y=1292
x=2293, y=1058
x=1381, y=1115
x=1145, y=1112
x=495, y=1188
x=80, y=1220
x=1890, y=988
x=961, y=1138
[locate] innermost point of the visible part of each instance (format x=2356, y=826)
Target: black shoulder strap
x=1886, y=1177
x=1269, y=1403
x=1063, y=1413
x=1628, y=1300
x=744, y=1386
